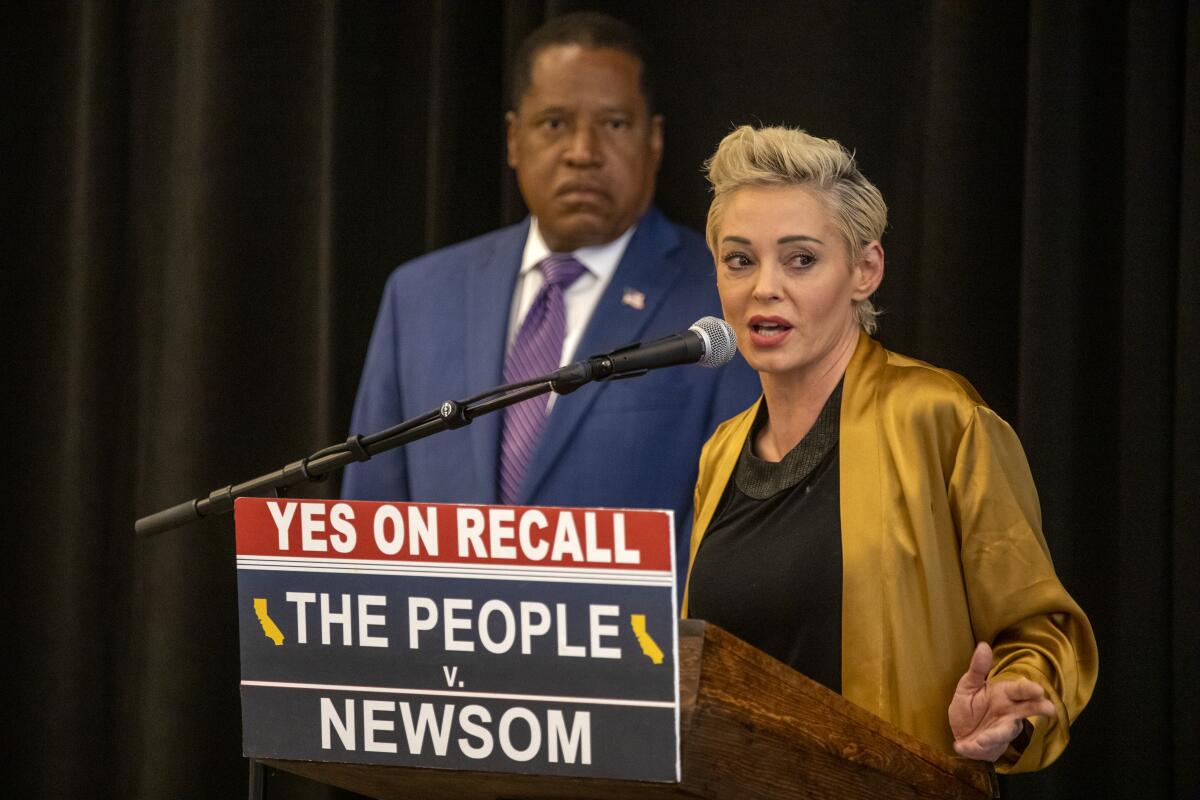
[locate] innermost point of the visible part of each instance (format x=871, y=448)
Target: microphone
x=710, y=342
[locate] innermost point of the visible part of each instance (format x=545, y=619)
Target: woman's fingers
x=989, y=743
x=975, y=678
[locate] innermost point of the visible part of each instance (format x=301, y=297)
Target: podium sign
x=465, y=637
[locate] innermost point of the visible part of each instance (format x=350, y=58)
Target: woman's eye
x=802, y=259
x=735, y=260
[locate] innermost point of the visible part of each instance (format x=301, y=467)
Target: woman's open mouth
x=768, y=331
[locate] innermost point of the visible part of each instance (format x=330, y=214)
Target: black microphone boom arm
x=710, y=341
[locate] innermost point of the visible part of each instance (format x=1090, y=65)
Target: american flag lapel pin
x=634, y=299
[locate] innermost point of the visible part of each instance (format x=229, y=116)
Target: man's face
x=584, y=145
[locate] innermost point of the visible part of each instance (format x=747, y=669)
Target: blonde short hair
x=778, y=156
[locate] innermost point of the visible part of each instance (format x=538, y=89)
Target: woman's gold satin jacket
x=941, y=547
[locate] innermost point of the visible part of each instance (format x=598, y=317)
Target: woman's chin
x=774, y=363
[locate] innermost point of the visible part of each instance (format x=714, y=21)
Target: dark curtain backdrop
x=202, y=200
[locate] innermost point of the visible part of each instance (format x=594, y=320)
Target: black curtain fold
x=207, y=196
x=962, y=286
x=1184, y=556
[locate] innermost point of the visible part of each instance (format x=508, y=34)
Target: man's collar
x=601, y=260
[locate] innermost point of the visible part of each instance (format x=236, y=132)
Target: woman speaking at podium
x=870, y=521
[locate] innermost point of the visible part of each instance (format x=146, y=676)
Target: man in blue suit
x=586, y=148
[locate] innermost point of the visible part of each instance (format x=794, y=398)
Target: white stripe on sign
x=619, y=577
x=591, y=701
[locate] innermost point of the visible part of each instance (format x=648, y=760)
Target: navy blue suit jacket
x=441, y=335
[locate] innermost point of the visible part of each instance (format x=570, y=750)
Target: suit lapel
x=489, y=293
x=867, y=677
x=644, y=268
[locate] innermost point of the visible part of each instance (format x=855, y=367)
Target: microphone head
x=720, y=342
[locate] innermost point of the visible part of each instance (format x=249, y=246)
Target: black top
x=769, y=569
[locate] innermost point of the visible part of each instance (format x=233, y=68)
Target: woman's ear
x=868, y=274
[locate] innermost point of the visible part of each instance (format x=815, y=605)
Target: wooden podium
x=751, y=728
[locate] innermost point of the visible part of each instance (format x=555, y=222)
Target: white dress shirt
x=580, y=298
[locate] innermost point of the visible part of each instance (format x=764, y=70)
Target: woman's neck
x=795, y=399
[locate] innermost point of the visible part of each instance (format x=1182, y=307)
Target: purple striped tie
x=535, y=352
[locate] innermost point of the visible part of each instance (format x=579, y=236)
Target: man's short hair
x=586, y=28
